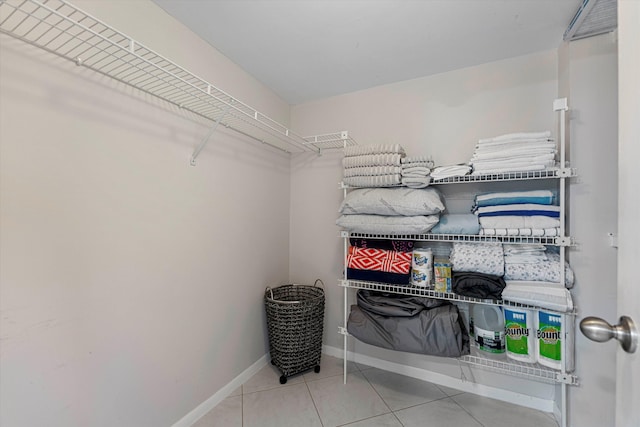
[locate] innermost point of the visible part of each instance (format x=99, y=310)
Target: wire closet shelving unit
x=63, y=29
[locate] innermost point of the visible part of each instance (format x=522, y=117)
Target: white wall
x=443, y=116
x=131, y=283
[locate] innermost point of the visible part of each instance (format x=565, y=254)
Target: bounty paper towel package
x=551, y=329
x=519, y=328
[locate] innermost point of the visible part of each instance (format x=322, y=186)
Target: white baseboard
x=445, y=380
x=193, y=416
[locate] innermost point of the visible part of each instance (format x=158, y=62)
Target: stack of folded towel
x=518, y=213
x=373, y=165
x=415, y=171
x=515, y=152
x=443, y=172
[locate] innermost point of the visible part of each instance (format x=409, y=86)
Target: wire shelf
x=452, y=238
x=555, y=173
x=521, y=369
x=510, y=176
x=330, y=140
x=511, y=367
x=65, y=30
x=430, y=293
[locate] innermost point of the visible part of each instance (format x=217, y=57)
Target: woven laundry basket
x=295, y=318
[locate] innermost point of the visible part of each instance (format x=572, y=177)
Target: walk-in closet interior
x=164, y=162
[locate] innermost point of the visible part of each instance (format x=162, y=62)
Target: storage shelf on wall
x=554, y=173
x=430, y=293
x=451, y=238
x=510, y=176
x=520, y=369
x=65, y=30
x=506, y=366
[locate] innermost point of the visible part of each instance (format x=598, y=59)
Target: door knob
x=599, y=330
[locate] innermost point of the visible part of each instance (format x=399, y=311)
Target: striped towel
x=365, y=150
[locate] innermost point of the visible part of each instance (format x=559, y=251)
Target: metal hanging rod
x=65, y=30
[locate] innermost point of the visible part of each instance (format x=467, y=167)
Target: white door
x=628, y=365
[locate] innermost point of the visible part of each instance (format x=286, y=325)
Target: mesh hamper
x=295, y=317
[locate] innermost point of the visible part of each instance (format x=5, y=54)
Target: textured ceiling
x=312, y=49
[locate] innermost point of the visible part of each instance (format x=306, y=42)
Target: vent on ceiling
x=594, y=17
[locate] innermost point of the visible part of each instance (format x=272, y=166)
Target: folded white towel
x=416, y=171
x=363, y=150
x=414, y=159
x=414, y=182
x=424, y=161
x=374, y=181
x=514, y=149
x=372, y=171
x=372, y=160
x=501, y=170
x=442, y=172
x=517, y=136
x=514, y=162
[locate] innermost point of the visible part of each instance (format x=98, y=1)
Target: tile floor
x=371, y=398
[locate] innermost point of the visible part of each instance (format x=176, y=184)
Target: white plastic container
x=551, y=329
x=488, y=330
x=520, y=332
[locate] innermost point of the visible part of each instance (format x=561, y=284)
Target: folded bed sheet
x=545, y=271
x=486, y=258
x=541, y=294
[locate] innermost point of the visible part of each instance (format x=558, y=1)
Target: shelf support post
x=206, y=139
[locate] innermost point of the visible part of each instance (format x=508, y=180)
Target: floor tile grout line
x=314, y=404
x=423, y=403
x=470, y=414
x=397, y=418
x=374, y=389
x=272, y=388
x=365, y=419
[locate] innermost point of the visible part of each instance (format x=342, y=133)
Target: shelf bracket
x=564, y=241
x=567, y=378
x=560, y=104
x=206, y=139
x=566, y=172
